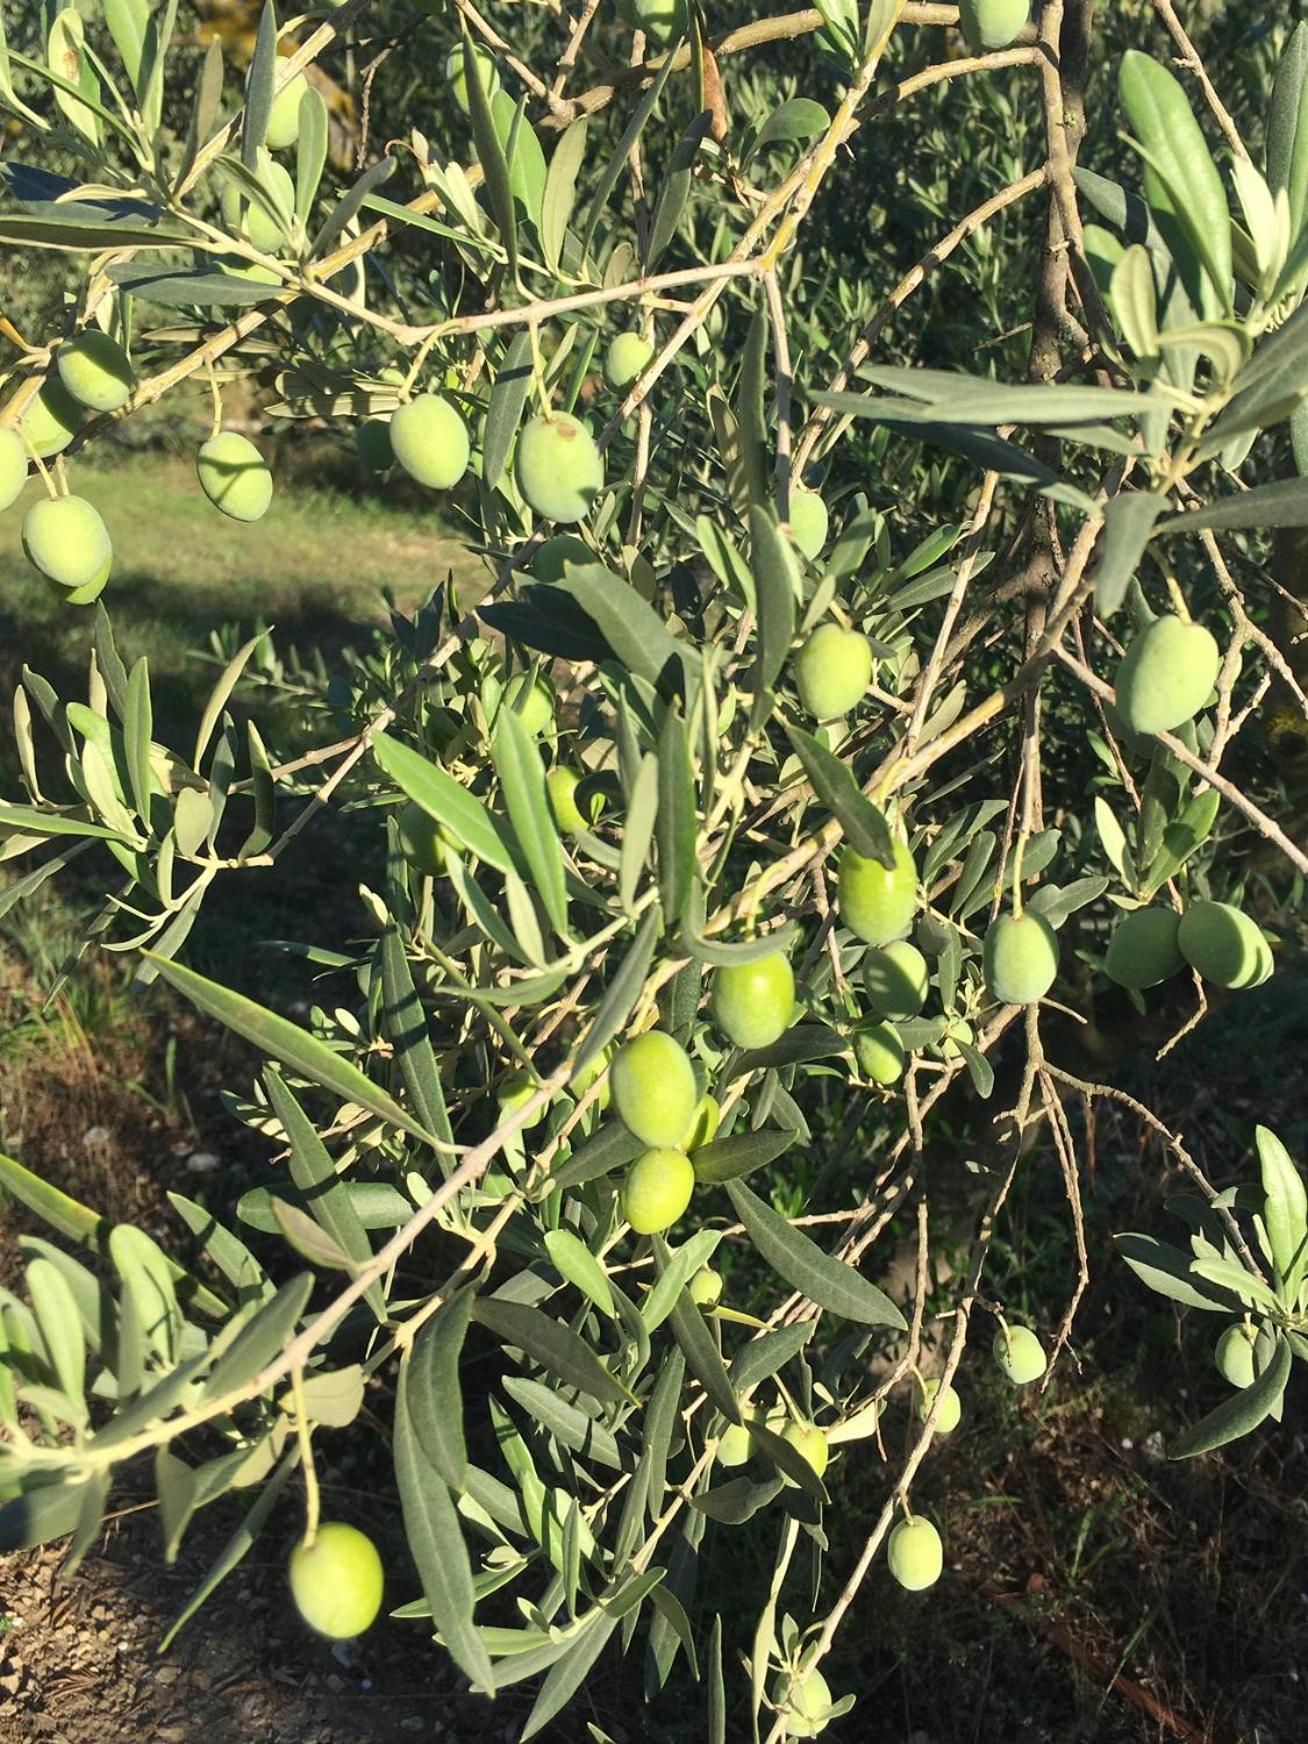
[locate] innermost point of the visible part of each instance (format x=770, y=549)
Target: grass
x=317, y=567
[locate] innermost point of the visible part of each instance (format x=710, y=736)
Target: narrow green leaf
x=675, y=1270
x=565, y=1421
x=1128, y=521
x=827, y=1282
x=266, y=1333
x=738, y=1500
x=621, y=153
x=763, y=1356
x=60, y=1326
x=279, y=1039
x=435, y=1391
x=310, y=152
x=436, y=1543
x=1285, y=1208
x=725, y=1159
x=507, y=399
x=620, y=996
x=522, y=779
x=677, y=823
x=444, y=799
x=238, y=1545
x=1242, y=1412
x=568, y=1674
x=697, y=1345
x=833, y=781
x=777, y=588
x=325, y=1194
x=561, y=191
x=259, y=83
x=1281, y=504
x=490, y=153
x=574, y=1261
x=552, y=1344
x=56, y=1208
x=405, y=1023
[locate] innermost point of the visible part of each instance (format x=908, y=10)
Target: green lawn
x=315, y=568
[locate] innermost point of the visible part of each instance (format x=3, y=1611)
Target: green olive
x=661, y=20
x=1234, y=1355
x=876, y=902
x=561, y=784
x=880, y=1052
x=951, y=1407
x=915, y=1555
x=753, y=1003
x=559, y=469
x=532, y=701
x=1224, y=945
x=832, y=671
x=706, y=1287
x=809, y=522
x=1143, y=949
x=550, y=562
x=52, y=419
x=992, y=24
x=1020, y=1355
x=1021, y=958
x=897, y=980
x=657, y=1190
x=13, y=468
x=627, y=356
x=96, y=370
x=804, y=1704
x=337, y=1581
x=245, y=217
x=703, y=1126
x=235, y=476
x=810, y=1443
x=516, y=1091
x=430, y=440
x=65, y=538
x=284, y=116
x=654, y=1089
x=420, y=840
x=1166, y=675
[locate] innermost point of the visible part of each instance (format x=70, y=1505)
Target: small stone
x=201, y=1162
x=95, y=1137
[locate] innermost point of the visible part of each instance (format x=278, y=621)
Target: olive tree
x=830, y=721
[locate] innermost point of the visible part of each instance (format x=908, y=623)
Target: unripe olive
x=661, y=20
x=1234, y=1355
x=559, y=469
x=1021, y=958
x=561, y=784
x=284, y=116
x=657, y=1190
x=420, y=840
x=804, y=1705
x=874, y=901
x=52, y=419
x=1143, y=949
x=337, y=1581
x=704, y=1124
x=247, y=218
x=532, y=701
x=809, y=522
x=654, y=1088
x=897, y=980
x=599, y=1063
x=915, y=1555
x=951, y=1408
x=753, y=1002
x=96, y=370
x=880, y=1052
x=1224, y=945
x=13, y=468
x=832, y=671
x=810, y=1443
x=456, y=74
x=515, y=1091
x=992, y=24
x=958, y=1030
x=235, y=476
x=430, y=440
x=1166, y=675
x=1020, y=1354
x=372, y=442
x=555, y=554
x=627, y=356
x=706, y=1287
x=736, y=1443
x=65, y=538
